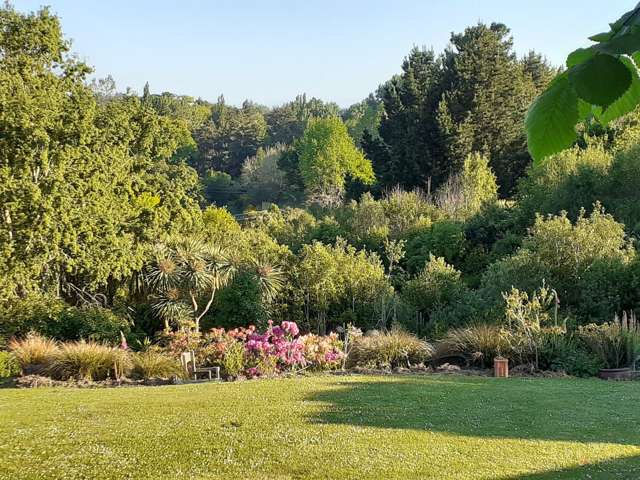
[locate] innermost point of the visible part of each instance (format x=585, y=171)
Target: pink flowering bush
x=323, y=352
x=279, y=348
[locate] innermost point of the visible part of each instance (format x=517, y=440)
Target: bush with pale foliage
x=34, y=353
x=396, y=348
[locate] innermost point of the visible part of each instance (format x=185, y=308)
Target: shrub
x=443, y=239
x=233, y=361
x=478, y=344
x=153, y=363
x=34, y=313
x=436, y=286
x=396, y=348
x=465, y=310
x=239, y=303
x=616, y=344
x=526, y=316
x=408, y=211
x=89, y=361
x=464, y=194
x=9, y=366
x=573, y=180
x=561, y=351
x=54, y=318
x=279, y=348
x=568, y=251
x=34, y=353
x=89, y=323
x=565, y=254
x=604, y=290
x=323, y=352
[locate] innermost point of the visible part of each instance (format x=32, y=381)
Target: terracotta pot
x=501, y=367
x=615, y=373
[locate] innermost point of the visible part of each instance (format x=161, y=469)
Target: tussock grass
x=155, y=364
x=396, y=348
x=34, y=353
x=479, y=344
x=89, y=361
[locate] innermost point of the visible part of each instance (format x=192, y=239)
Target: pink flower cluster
x=280, y=343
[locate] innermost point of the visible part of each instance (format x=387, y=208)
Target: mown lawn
x=438, y=427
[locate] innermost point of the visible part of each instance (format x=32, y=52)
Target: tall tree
x=327, y=156
x=287, y=122
x=363, y=117
x=485, y=99
x=408, y=127
x=231, y=136
x=84, y=187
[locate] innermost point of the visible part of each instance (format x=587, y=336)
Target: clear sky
x=271, y=50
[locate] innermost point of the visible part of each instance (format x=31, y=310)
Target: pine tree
x=407, y=127
x=486, y=96
x=146, y=94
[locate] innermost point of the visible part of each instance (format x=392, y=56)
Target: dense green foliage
x=143, y=216
x=473, y=98
x=326, y=156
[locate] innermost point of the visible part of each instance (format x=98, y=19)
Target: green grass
x=436, y=427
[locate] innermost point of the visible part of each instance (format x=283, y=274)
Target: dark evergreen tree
x=540, y=71
x=486, y=96
x=146, y=94
x=229, y=138
x=408, y=127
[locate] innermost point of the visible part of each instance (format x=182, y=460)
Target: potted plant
x=616, y=344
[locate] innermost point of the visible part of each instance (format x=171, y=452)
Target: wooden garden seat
x=188, y=360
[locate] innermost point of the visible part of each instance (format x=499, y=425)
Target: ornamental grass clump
x=616, y=344
x=153, y=363
x=89, y=361
x=478, y=344
x=34, y=353
x=396, y=348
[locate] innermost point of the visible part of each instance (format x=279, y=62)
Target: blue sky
x=271, y=50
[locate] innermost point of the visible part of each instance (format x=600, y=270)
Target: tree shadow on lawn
x=627, y=468
x=584, y=411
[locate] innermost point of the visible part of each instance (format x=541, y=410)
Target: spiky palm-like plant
x=271, y=279
x=185, y=275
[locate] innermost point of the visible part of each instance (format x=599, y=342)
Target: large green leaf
x=551, y=119
x=622, y=44
x=629, y=100
x=585, y=110
x=601, y=37
x=600, y=80
x=579, y=56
